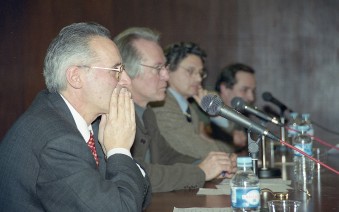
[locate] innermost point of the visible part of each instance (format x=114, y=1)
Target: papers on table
x=224, y=188
x=202, y=210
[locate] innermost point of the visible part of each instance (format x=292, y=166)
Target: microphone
x=240, y=105
x=213, y=105
x=267, y=96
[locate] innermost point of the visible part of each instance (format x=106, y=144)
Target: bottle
x=307, y=121
x=303, y=166
x=292, y=130
x=245, y=191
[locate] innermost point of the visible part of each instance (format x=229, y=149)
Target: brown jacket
x=168, y=170
x=184, y=136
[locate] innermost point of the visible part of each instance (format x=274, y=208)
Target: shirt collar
x=140, y=112
x=80, y=122
x=220, y=121
x=182, y=101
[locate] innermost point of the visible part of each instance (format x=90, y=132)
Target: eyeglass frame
x=117, y=70
x=191, y=72
x=158, y=69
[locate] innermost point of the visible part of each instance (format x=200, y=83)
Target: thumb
x=102, y=126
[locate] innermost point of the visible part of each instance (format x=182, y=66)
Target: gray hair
x=70, y=47
x=129, y=54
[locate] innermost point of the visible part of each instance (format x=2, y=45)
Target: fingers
x=221, y=157
x=132, y=112
x=128, y=107
x=118, y=125
x=102, y=122
x=225, y=174
x=201, y=93
x=113, y=107
x=218, y=165
x=102, y=127
x=228, y=161
x=239, y=138
x=233, y=157
x=125, y=104
x=120, y=105
x=129, y=111
x=229, y=175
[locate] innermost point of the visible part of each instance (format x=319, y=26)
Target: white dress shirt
x=85, y=131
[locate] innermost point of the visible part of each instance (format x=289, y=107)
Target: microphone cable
x=324, y=128
x=316, y=139
x=268, y=97
x=310, y=157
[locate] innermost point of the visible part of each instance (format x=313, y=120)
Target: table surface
x=324, y=191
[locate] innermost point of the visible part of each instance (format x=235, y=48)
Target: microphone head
x=211, y=104
x=238, y=103
x=267, y=96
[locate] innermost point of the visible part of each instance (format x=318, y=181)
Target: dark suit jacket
x=46, y=166
x=168, y=169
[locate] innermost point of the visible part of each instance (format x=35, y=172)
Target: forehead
x=150, y=50
x=192, y=60
x=105, y=49
x=245, y=79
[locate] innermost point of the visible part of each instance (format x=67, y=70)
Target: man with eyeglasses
x=177, y=121
x=51, y=159
x=168, y=169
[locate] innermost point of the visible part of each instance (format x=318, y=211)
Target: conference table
x=324, y=192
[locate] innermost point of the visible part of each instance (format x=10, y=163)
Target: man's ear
x=224, y=90
x=73, y=77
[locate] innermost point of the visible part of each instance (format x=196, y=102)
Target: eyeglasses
x=158, y=68
x=118, y=71
x=191, y=72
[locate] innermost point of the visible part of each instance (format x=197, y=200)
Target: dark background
x=292, y=44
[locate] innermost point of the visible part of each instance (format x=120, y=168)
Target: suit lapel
x=60, y=105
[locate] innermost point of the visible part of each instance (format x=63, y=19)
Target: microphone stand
x=253, y=149
x=266, y=172
x=283, y=137
x=272, y=172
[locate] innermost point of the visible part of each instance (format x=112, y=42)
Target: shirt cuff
x=119, y=151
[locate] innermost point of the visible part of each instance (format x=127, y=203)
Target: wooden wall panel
x=293, y=45
x=11, y=63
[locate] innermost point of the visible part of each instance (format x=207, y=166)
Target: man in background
x=168, y=169
x=177, y=121
x=235, y=80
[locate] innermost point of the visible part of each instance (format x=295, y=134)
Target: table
x=324, y=191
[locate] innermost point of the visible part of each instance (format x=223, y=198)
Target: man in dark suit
x=234, y=80
x=45, y=162
x=168, y=169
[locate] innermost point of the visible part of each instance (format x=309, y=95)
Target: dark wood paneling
x=293, y=45
x=11, y=62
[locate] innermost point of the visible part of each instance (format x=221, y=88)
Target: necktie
x=91, y=145
x=188, y=114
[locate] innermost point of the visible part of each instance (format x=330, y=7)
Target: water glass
x=283, y=205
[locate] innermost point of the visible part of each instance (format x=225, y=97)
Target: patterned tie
x=188, y=114
x=91, y=145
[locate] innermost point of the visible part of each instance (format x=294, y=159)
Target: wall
x=293, y=45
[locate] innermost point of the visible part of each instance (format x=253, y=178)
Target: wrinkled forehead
x=105, y=50
x=150, y=51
